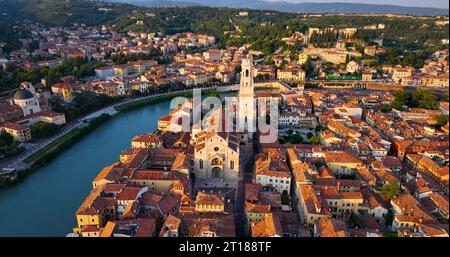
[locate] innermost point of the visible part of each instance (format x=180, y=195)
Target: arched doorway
x=216, y=172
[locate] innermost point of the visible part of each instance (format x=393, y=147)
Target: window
x=232, y=165
x=201, y=164
x=247, y=73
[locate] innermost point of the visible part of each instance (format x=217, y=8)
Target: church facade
x=217, y=153
x=26, y=99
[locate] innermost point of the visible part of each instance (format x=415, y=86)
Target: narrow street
x=240, y=197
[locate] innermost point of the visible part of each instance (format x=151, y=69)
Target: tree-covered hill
x=66, y=12
x=261, y=28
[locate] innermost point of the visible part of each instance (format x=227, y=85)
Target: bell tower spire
x=247, y=114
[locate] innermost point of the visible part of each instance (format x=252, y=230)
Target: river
x=44, y=204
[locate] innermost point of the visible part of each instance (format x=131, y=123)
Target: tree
x=390, y=190
x=424, y=99
x=319, y=164
x=43, y=130
x=356, y=220
x=6, y=138
x=8, y=146
x=237, y=69
x=443, y=97
x=389, y=217
x=308, y=67
x=309, y=135
x=442, y=120
x=400, y=99
x=296, y=139
x=285, y=199
x=318, y=128
x=315, y=140
x=136, y=93
x=386, y=108
x=212, y=93
x=262, y=77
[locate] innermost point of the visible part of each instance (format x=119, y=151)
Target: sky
x=418, y=3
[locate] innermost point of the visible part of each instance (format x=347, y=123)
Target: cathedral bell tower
x=246, y=114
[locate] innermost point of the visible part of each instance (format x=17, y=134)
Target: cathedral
x=217, y=152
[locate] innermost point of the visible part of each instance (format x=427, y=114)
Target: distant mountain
x=160, y=3
x=293, y=7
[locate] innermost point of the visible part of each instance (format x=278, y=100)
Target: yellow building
x=93, y=214
x=256, y=212
x=53, y=117
x=146, y=141
x=105, y=176
x=157, y=181
x=63, y=89
x=123, y=69
x=19, y=132
x=270, y=226
x=342, y=163
x=434, y=81
x=310, y=205
x=400, y=73
x=343, y=204
x=334, y=57
x=439, y=173
x=209, y=203
x=291, y=74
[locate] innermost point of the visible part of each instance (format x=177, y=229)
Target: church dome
x=23, y=94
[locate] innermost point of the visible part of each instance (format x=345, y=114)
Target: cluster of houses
x=347, y=58
x=174, y=183
x=79, y=40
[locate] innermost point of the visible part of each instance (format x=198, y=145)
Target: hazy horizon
x=410, y=3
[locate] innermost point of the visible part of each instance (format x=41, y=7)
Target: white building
x=353, y=67
x=104, y=73
x=26, y=99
